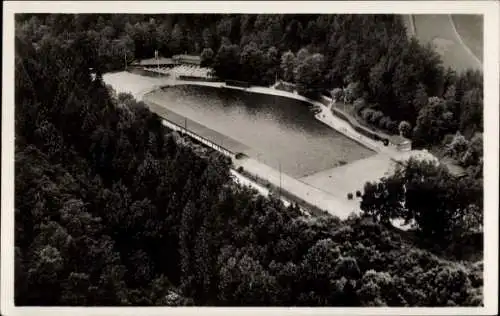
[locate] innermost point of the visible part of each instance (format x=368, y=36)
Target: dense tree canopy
x=112, y=208
x=394, y=74
x=443, y=209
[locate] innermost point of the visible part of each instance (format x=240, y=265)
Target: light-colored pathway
x=332, y=203
x=351, y=177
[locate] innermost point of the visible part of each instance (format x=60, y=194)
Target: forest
x=112, y=210
x=369, y=57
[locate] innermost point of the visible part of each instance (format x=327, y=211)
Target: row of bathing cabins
x=179, y=66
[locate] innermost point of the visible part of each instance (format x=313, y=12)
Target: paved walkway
x=242, y=180
x=351, y=177
x=332, y=203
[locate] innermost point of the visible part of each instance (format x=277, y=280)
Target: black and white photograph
x=250, y=155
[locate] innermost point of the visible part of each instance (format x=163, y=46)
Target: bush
x=359, y=105
x=353, y=91
x=383, y=122
x=404, y=128
x=207, y=56
x=349, y=196
x=358, y=193
x=239, y=156
x=337, y=94
x=240, y=169
x=448, y=138
x=389, y=124
x=367, y=114
x=392, y=127
x=376, y=116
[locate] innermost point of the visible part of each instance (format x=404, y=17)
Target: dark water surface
x=277, y=130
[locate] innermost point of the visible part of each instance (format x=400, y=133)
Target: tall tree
x=310, y=74
x=287, y=66
x=227, y=62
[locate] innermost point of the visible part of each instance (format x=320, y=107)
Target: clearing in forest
x=457, y=43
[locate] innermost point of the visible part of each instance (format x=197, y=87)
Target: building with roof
x=176, y=60
x=151, y=62
x=187, y=60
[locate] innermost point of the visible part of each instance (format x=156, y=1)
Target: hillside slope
x=457, y=38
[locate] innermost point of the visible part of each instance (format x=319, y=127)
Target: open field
x=470, y=29
x=138, y=86
x=439, y=31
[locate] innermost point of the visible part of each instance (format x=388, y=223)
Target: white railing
x=199, y=138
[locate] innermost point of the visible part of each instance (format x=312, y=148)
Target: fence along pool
x=199, y=138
